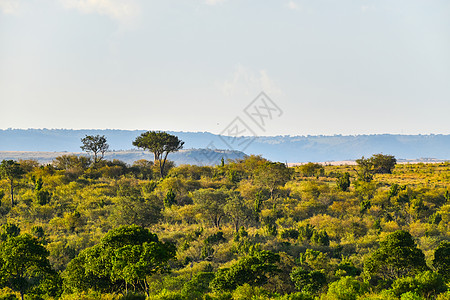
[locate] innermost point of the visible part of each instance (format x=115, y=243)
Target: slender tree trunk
x=163, y=164
x=218, y=222
x=161, y=167
x=146, y=289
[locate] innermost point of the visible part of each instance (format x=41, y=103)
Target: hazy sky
x=331, y=67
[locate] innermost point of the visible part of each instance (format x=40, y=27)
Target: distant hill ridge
x=278, y=148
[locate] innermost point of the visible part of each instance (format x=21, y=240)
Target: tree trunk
x=163, y=164
x=218, y=221
x=161, y=167
x=236, y=226
x=146, y=288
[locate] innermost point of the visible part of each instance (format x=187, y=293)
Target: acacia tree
x=95, y=144
x=11, y=170
x=160, y=144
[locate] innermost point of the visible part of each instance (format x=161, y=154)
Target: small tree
x=211, y=203
x=365, y=169
x=310, y=281
x=12, y=171
x=160, y=144
x=272, y=175
x=95, y=144
x=377, y=164
x=253, y=269
x=169, y=198
x=343, y=182
x=346, y=288
x=237, y=210
x=311, y=169
x=383, y=164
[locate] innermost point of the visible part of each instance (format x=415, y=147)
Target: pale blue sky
x=333, y=67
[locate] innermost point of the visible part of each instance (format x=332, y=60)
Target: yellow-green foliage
x=307, y=213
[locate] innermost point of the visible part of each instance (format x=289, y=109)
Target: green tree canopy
x=311, y=169
x=377, y=164
x=95, y=144
x=441, y=261
x=309, y=281
x=160, y=144
x=427, y=284
x=382, y=163
x=346, y=288
x=238, y=210
x=24, y=266
x=125, y=256
x=272, y=175
x=253, y=269
x=397, y=256
x=343, y=182
x=211, y=203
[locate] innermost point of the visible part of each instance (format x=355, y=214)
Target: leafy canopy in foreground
x=125, y=256
x=24, y=265
x=441, y=259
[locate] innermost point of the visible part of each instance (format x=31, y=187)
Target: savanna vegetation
x=84, y=227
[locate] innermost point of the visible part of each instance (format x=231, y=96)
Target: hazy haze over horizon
x=332, y=67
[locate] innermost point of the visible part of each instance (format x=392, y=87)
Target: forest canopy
x=82, y=228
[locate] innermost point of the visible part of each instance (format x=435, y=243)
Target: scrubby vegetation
x=246, y=229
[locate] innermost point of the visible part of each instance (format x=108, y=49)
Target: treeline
x=83, y=228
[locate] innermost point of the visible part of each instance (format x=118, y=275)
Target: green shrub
x=346, y=288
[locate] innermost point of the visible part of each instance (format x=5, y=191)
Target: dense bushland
x=246, y=229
